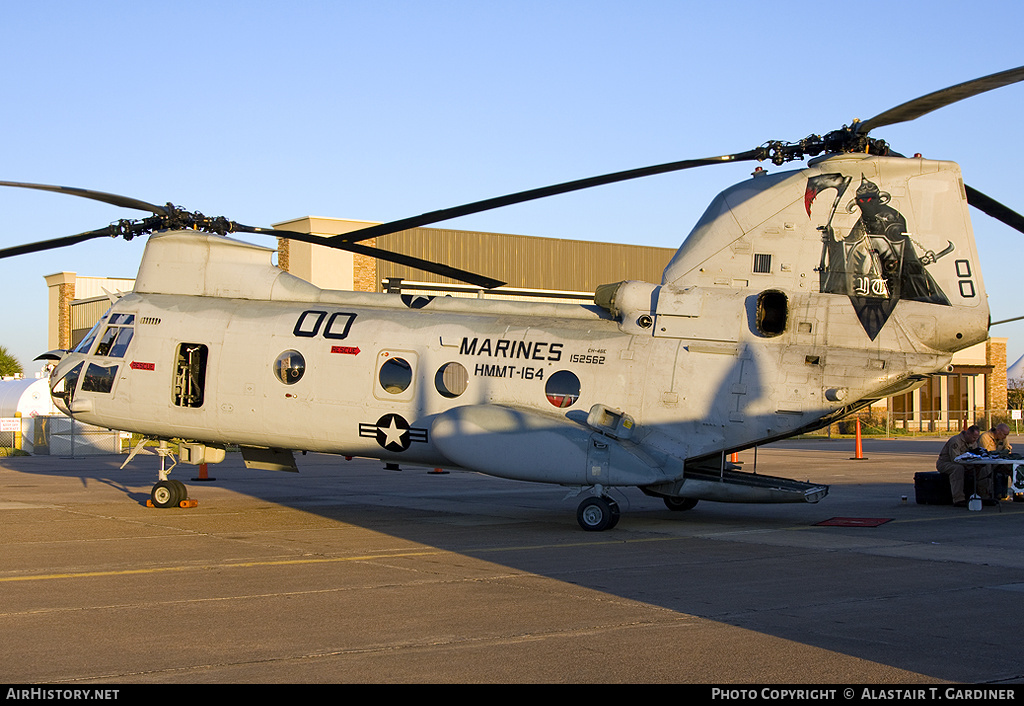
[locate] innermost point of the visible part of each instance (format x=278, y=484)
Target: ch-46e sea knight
x=798, y=297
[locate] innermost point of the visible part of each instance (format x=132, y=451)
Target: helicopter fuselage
x=780, y=312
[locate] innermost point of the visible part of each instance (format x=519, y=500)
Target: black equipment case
x=932, y=488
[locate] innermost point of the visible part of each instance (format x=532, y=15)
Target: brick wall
x=995, y=392
x=65, y=295
x=282, y=253
x=364, y=270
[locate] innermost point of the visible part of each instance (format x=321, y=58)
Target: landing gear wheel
x=166, y=493
x=182, y=490
x=597, y=514
x=680, y=504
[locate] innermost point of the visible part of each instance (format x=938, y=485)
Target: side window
x=451, y=380
x=562, y=389
x=395, y=375
x=289, y=367
x=772, y=313
x=189, y=375
x=395, y=379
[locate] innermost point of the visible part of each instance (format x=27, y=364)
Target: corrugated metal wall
x=524, y=261
x=84, y=314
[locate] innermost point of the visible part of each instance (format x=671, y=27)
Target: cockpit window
x=99, y=378
x=124, y=337
x=118, y=335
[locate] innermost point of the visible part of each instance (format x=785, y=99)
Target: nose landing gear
x=166, y=492
x=169, y=493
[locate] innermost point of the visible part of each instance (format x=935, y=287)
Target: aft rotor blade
x=54, y=243
x=532, y=194
x=987, y=204
x=113, y=199
x=933, y=101
x=397, y=258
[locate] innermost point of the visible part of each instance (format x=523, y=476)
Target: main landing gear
x=680, y=504
x=598, y=513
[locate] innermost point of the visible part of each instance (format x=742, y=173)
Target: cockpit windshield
x=86, y=343
x=117, y=336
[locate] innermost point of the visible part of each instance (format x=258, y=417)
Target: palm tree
x=9, y=365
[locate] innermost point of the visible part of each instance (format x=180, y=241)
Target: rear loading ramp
x=731, y=486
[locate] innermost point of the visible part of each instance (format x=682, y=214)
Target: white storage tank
x=27, y=398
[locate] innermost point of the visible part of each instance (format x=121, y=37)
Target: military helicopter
x=798, y=297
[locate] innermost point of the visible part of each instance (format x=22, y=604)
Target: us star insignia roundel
x=393, y=432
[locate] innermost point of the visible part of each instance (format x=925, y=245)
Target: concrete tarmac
x=350, y=573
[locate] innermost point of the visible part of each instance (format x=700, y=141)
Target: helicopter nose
x=64, y=380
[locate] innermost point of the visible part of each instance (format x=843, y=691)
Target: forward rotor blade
x=397, y=258
x=532, y=194
x=54, y=243
x=1006, y=321
x=113, y=199
x=433, y=267
x=933, y=101
x=987, y=204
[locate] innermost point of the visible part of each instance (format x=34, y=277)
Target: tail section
x=891, y=235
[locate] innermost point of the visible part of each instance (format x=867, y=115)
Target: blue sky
x=266, y=111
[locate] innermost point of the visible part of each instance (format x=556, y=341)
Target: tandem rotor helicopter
x=798, y=297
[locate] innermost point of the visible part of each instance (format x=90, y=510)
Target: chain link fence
x=882, y=422
x=57, y=435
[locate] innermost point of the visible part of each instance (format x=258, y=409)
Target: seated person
x=995, y=441
x=965, y=441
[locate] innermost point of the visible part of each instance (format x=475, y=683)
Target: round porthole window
x=562, y=389
x=289, y=367
x=451, y=380
x=395, y=375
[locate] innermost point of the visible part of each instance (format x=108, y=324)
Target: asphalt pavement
x=348, y=573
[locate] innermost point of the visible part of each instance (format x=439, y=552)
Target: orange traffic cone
x=859, y=453
x=202, y=474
